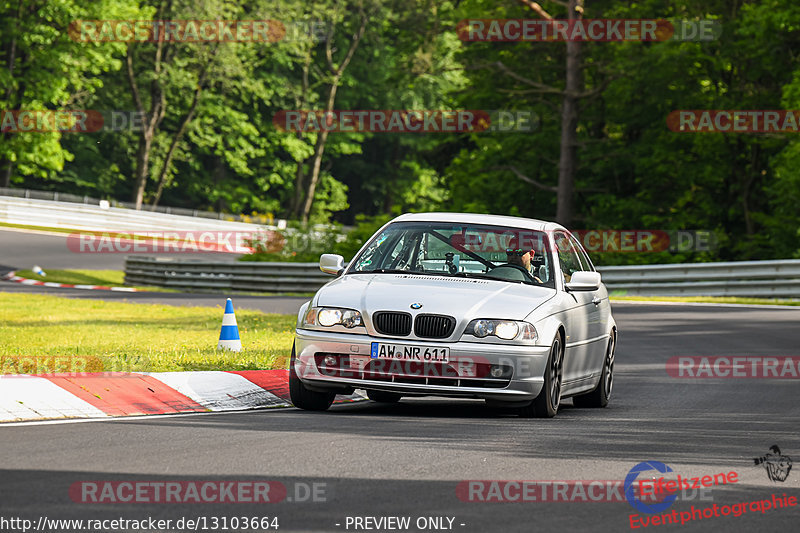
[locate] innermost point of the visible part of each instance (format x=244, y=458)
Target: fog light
x=496, y=371
x=329, y=360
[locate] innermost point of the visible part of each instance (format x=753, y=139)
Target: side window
x=585, y=261
x=567, y=256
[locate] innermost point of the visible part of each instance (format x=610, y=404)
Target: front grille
x=411, y=372
x=434, y=326
x=392, y=323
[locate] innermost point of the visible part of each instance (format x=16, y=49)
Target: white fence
x=72, y=215
x=769, y=279
x=764, y=279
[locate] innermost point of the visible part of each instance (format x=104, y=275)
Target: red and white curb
x=11, y=276
x=101, y=395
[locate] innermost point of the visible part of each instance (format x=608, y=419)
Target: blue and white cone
x=38, y=271
x=229, y=334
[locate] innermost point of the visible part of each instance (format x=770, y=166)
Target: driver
x=521, y=257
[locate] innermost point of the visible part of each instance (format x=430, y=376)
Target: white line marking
x=219, y=391
x=709, y=304
x=29, y=397
x=124, y=418
x=35, y=231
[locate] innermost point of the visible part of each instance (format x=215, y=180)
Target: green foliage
x=297, y=244
x=304, y=244
x=633, y=172
x=365, y=228
x=49, y=70
x=107, y=336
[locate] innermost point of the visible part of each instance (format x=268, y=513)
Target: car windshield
x=465, y=250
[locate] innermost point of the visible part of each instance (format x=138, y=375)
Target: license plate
x=404, y=352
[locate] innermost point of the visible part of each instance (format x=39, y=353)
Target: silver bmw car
x=507, y=309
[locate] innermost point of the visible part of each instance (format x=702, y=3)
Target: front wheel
x=602, y=393
x=304, y=398
x=546, y=404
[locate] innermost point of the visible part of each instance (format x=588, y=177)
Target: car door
x=597, y=317
x=576, y=314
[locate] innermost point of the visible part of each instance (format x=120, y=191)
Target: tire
x=602, y=393
x=546, y=404
x=383, y=396
x=304, y=398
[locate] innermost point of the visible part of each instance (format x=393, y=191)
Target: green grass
x=89, y=335
x=109, y=278
x=116, y=278
x=708, y=299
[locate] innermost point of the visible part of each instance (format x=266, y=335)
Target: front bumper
x=527, y=365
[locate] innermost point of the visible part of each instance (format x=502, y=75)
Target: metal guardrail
x=758, y=279
x=96, y=217
x=766, y=279
x=88, y=200
x=241, y=276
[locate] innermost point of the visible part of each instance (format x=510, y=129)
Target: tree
x=42, y=67
x=306, y=180
x=167, y=66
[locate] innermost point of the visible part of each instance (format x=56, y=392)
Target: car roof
x=479, y=218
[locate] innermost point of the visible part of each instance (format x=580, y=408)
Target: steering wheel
x=523, y=270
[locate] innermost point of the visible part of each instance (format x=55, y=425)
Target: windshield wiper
x=410, y=272
x=487, y=276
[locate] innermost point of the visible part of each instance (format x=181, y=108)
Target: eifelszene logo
x=777, y=466
x=630, y=488
x=666, y=490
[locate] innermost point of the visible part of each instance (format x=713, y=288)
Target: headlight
x=482, y=328
x=331, y=316
x=502, y=329
x=506, y=330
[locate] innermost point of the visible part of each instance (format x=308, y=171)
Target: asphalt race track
x=20, y=250
x=267, y=304
x=23, y=249
x=407, y=459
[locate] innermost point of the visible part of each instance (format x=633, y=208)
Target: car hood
x=462, y=298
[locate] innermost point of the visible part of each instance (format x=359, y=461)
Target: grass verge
x=44, y=334
x=709, y=299
x=106, y=278
x=116, y=278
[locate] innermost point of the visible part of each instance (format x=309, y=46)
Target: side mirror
x=331, y=264
x=584, y=281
